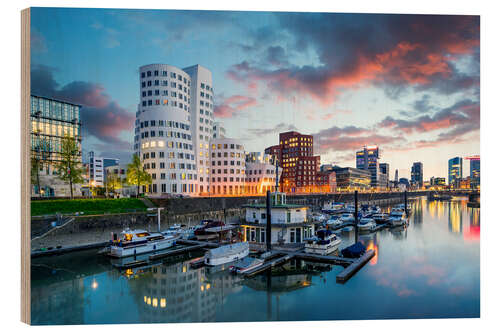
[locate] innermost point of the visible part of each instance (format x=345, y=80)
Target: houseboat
x=226, y=254
x=289, y=223
x=324, y=243
x=134, y=242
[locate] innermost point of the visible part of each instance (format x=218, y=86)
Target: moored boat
x=380, y=218
x=347, y=217
x=226, y=253
x=398, y=217
x=245, y=265
x=324, y=243
x=134, y=242
x=366, y=224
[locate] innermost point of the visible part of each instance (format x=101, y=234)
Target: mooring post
x=356, y=215
x=406, y=203
x=268, y=217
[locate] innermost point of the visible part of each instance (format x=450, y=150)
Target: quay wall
x=189, y=211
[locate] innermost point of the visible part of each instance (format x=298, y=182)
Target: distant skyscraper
x=454, y=170
x=417, y=173
x=475, y=170
x=367, y=159
x=384, y=170
x=396, y=177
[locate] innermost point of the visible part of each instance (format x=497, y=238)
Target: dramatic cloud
x=349, y=138
x=281, y=127
x=233, y=105
x=101, y=117
x=37, y=42
x=393, y=51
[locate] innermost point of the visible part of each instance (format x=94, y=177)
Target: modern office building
x=227, y=167
x=384, y=174
x=367, y=159
x=120, y=171
x=350, y=179
x=438, y=181
x=296, y=157
x=51, y=120
x=396, y=176
x=218, y=130
x=97, y=169
x=475, y=171
x=417, y=174
x=260, y=173
x=454, y=171
x=174, y=124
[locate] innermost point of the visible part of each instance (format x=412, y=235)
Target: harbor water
x=429, y=269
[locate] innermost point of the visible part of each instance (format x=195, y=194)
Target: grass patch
x=87, y=206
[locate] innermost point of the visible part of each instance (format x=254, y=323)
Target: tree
x=35, y=172
x=136, y=175
x=69, y=167
x=113, y=182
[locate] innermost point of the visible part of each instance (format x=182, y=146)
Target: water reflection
x=415, y=273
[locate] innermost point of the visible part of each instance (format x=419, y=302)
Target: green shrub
x=87, y=206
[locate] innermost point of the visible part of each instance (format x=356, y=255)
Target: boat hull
x=322, y=249
x=120, y=252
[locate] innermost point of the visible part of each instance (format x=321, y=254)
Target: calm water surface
x=428, y=270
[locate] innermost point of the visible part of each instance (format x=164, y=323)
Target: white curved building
x=260, y=173
x=227, y=167
x=173, y=127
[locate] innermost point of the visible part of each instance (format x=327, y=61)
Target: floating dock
x=349, y=271
x=62, y=250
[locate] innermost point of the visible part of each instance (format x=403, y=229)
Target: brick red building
x=300, y=166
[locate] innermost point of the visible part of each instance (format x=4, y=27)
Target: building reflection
x=371, y=242
x=177, y=293
x=474, y=231
x=417, y=213
x=455, y=216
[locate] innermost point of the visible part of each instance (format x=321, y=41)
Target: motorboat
x=401, y=207
x=134, y=242
x=318, y=217
x=398, y=217
x=334, y=221
x=324, y=243
x=347, y=217
x=226, y=254
x=333, y=207
x=350, y=209
x=201, y=230
x=380, y=218
x=246, y=264
x=366, y=224
x=375, y=210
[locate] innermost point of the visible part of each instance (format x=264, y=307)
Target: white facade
x=202, y=120
x=169, y=137
x=219, y=130
x=97, y=169
x=260, y=173
x=227, y=167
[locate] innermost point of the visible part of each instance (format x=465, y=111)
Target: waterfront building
x=260, y=173
x=403, y=184
x=417, y=174
x=438, y=182
x=173, y=128
x=296, y=157
x=227, y=167
x=454, y=171
x=120, y=170
x=367, y=159
x=51, y=120
x=97, y=169
x=475, y=171
x=289, y=223
x=326, y=181
x=219, y=131
x=350, y=179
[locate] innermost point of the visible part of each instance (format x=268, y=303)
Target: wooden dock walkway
x=269, y=264
x=326, y=259
x=349, y=271
x=176, y=251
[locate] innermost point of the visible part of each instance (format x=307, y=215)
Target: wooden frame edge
x=25, y=168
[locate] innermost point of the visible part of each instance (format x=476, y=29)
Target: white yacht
x=134, y=242
x=347, y=217
x=398, y=217
x=226, y=253
x=324, y=243
x=245, y=265
x=366, y=224
x=318, y=217
x=334, y=221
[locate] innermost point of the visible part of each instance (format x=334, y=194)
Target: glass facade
x=51, y=120
x=454, y=170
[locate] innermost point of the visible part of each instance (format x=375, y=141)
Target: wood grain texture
x=25, y=168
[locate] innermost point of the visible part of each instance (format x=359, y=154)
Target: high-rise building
x=97, y=169
x=219, y=130
x=173, y=128
x=227, y=167
x=51, y=120
x=396, y=177
x=367, y=159
x=454, y=171
x=296, y=157
x=350, y=179
x=384, y=174
x=417, y=174
x=438, y=181
x=475, y=171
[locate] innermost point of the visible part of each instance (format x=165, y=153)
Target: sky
x=407, y=83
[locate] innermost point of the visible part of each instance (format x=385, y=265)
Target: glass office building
x=454, y=170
